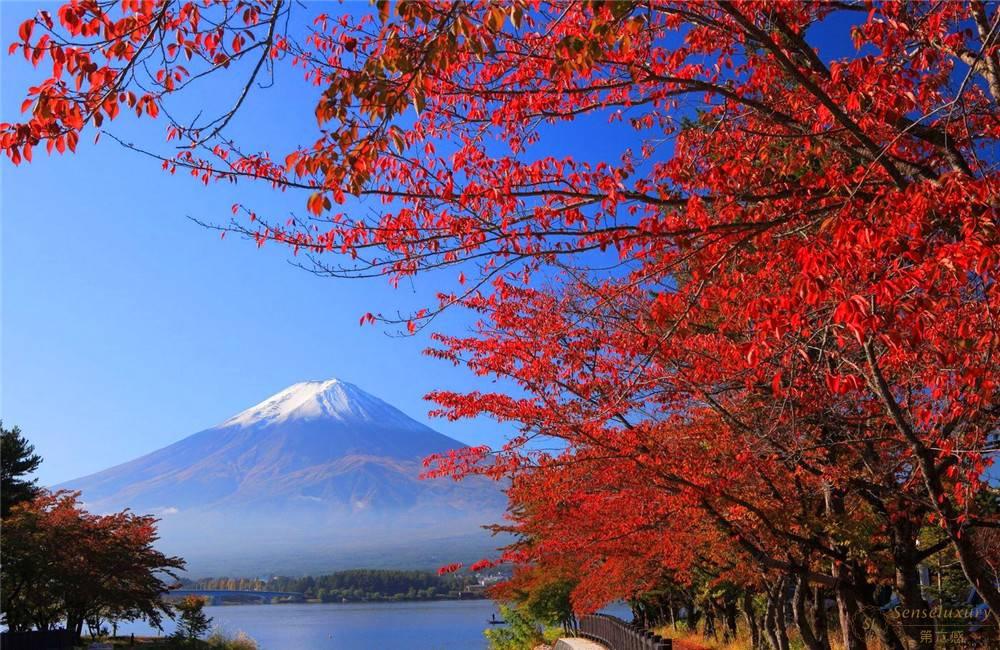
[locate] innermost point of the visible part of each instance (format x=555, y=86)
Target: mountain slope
x=313, y=471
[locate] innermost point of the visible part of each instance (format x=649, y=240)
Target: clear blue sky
x=125, y=326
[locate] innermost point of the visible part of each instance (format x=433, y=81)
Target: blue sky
x=125, y=326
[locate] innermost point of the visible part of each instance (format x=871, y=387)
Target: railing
x=619, y=635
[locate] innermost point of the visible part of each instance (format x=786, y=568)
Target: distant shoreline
x=315, y=601
x=349, y=586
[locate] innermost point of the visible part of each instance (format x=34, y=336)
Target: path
x=577, y=644
x=586, y=644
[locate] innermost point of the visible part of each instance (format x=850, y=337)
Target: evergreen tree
x=17, y=460
x=192, y=621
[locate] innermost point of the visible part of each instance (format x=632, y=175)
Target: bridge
x=217, y=596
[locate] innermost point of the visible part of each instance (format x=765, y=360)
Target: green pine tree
x=192, y=621
x=17, y=460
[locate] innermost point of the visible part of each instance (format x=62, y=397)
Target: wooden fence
x=37, y=640
x=616, y=634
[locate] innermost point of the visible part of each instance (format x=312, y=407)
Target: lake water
x=432, y=625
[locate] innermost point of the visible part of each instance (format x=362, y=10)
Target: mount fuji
x=320, y=476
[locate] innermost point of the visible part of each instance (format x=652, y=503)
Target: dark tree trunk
x=692, y=616
x=918, y=625
x=802, y=620
x=865, y=594
x=710, y=620
x=817, y=612
x=75, y=623
x=780, y=619
x=772, y=640
x=774, y=617
x=729, y=614
x=751, y=618
x=852, y=625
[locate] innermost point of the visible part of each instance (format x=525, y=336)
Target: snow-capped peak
x=327, y=399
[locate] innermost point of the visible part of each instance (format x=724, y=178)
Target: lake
x=430, y=625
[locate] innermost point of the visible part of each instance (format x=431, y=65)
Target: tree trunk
x=865, y=594
x=852, y=626
x=76, y=625
x=780, y=620
x=799, y=612
x=692, y=616
x=769, y=626
x=974, y=566
x=817, y=612
x=774, y=619
x=916, y=622
x=751, y=618
x=710, y=620
x=729, y=613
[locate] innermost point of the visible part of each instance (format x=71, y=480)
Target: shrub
x=521, y=632
x=220, y=641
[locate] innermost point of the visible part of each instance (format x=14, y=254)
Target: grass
x=685, y=639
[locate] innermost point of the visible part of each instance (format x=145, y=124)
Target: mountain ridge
x=324, y=460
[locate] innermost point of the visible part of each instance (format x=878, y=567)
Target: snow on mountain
x=315, y=470
x=310, y=400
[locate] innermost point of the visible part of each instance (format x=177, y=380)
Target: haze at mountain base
x=320, y=476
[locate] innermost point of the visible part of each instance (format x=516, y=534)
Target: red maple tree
x=65, y=565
